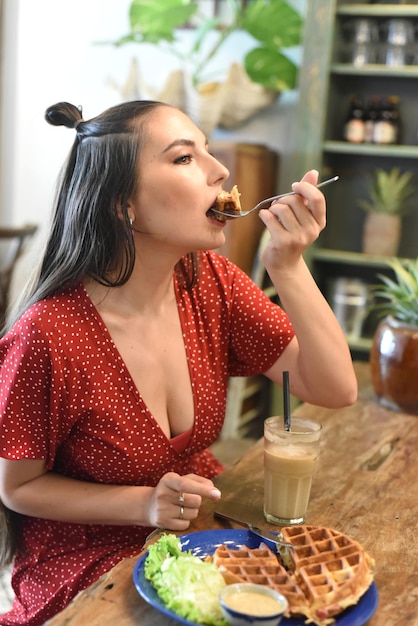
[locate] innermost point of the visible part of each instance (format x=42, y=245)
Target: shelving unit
x=327, y=80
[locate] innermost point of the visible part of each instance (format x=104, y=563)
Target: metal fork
x=263, y=203
x=264, y=534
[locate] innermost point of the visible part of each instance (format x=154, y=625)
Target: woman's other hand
x=176, y=500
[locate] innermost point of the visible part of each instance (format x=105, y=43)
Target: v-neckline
x=127, y=374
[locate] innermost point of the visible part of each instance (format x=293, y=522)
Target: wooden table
x=366, y=486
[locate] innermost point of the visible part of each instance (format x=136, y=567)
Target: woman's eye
x=184, y=158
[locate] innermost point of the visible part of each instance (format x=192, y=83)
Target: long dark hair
x=90, y=234
x=9, y=534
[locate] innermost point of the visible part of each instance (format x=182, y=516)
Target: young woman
x=113, y=378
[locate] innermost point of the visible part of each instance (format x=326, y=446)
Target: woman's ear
x=127, y=211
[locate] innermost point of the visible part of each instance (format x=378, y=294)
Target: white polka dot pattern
x=67, y=397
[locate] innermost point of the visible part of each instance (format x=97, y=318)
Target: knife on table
x=264, y=534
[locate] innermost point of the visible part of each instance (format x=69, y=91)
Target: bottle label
x=354, y=131
x=369, y=131
x=384, y=132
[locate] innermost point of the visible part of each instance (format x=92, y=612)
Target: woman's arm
x=27, y=488
x=318, y=358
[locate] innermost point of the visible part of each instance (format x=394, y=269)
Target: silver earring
x=131, y=221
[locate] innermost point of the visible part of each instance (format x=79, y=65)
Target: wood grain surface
x=366, y=485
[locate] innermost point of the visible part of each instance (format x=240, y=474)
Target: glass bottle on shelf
x=354, y=126
x=372, y=112
x=387, y=125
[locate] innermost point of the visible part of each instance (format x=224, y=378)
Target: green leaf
x=274, y=23
x=152, y=21
x=190, y=587
x=202, y=30
x=187, y=585
x=167, y=546
x=389, y=192
x=401, y=292
x=271, y=69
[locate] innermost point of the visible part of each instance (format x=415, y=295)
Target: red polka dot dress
x=67, y=397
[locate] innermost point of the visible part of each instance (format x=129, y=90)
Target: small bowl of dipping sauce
x=244, y=604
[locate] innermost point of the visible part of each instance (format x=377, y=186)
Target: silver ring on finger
x=181, y=498
x=181, y=512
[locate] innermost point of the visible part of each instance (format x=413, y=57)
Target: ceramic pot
x=381, y=234
x=203, y=104
x=394, y=365
x=243, y=98
x=227, y=104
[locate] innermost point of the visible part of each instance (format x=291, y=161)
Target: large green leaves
x=271, y=68
x=274, y=23
x=401, y=293
x=389, y=192
x=153, y=20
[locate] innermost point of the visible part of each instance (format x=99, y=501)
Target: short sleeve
x=236, y=320
x=32, y=398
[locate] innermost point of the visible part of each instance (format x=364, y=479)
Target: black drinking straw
x=286, y=400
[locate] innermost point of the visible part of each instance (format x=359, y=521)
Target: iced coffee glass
x=290, y=459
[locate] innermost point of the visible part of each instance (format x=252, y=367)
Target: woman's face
x=178, y=182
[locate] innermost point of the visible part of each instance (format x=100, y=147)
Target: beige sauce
x=253, y=603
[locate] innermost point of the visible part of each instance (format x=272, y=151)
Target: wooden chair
x=12, y=242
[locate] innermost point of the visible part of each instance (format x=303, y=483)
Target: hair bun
x=63, y=114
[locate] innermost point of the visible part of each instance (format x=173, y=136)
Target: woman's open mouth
x=215, y=216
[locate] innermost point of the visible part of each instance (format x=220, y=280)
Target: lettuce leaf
x=187, y=585
x=166, y=546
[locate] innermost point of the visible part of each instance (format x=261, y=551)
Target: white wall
x=49, y=55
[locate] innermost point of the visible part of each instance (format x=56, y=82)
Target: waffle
x=229, y=202
x=328, y=571
x=331, y=568
x=260, y=566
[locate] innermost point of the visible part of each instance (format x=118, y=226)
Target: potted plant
x=394, y=354
x=266, y=70
x=388, y=195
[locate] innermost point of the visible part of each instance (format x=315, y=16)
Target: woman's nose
x=221, y=171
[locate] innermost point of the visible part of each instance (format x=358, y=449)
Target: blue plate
x=205, y=542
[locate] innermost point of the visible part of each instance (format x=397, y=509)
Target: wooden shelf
x=328, y=265
x=362, y=344
x=378, y=10
x=370, y=149
x=348, y=258
x=375, y=69
x=326, y=84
